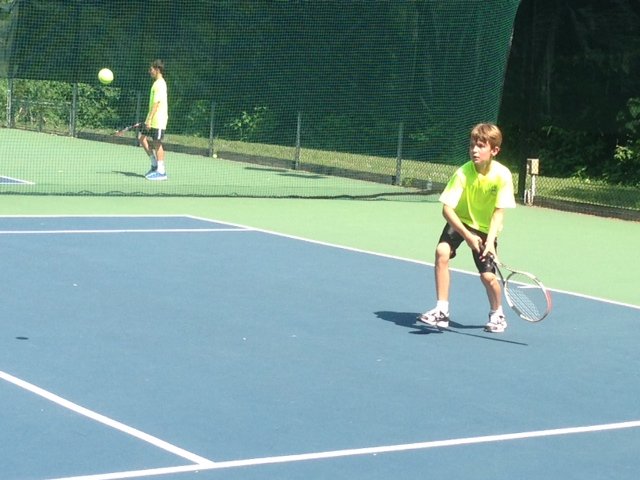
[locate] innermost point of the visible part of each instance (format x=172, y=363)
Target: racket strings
x=527, y=296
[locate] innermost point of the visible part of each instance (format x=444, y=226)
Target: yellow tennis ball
x=105, y=76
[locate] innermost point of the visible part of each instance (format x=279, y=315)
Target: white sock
x=443, y=306
x=161, y=167
x=498, y=311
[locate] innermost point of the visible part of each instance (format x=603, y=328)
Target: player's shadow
x=128, y=174
x=409, y=320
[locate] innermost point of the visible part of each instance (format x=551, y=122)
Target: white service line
x=138, y=473
x=363, y=451
x=156, y=442
x=128, y=230
x=396, y=257
x=425, y=445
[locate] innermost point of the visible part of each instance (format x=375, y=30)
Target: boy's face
x=481, y=153
x=153, y=72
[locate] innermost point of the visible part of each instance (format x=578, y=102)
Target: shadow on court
x=128, y=174
x=408, y=320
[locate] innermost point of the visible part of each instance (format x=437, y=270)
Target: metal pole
x=398, y=177
x=138, y=106
x=212, y=118
x=73, y=115
x=10, y=122
x=296, y=160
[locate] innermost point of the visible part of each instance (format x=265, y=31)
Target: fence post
x=533, y=170
x=212, y=119
x=398, y=178
x=522, y=178
x=10, y=122
x=138, y=106
x=73, y=115
x=296, y=160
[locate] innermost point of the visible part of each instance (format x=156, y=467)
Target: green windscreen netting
x=266, y=98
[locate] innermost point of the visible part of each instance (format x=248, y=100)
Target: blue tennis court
x=176, y=347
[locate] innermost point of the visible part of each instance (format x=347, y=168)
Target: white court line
x=156, y=442
x=293, y=237
x=203, y=464
x=123, y=230
x=252, y=462
x=100, y=215
x=15, y=181
x=396, y=257
x=137, y=473
x=425, y=445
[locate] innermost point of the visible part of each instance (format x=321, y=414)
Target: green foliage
x=625, y=170
x=97, y=108
x=248, y=126
x=562, y=152
x=196, y=117
x=571, y=153
x=568, y=153
x=46, y=105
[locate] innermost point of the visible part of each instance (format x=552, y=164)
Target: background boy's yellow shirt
x=159, y=94
x=474, y=197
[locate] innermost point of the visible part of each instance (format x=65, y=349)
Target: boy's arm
x=495, y=227
x=473, y=240
x=152, y=114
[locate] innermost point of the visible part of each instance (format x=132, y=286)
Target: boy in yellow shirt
x=155, y=124
x=474, y=202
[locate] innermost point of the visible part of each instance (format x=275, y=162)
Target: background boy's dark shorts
x=454, y=239
x=156, y=134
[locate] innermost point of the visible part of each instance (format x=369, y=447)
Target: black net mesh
x=285, y=98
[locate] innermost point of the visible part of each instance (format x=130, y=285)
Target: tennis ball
x=105, y=76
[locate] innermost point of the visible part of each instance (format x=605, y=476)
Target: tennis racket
x=525, y=293
x=120, y=133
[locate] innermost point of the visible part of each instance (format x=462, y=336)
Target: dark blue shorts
x=454, y=240
x=155, y=134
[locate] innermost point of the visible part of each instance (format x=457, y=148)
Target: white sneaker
x=156, y=176
x=497, y=323
x=435, y=318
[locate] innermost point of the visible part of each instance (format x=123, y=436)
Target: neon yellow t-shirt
x=159, y=95
x=474, y=197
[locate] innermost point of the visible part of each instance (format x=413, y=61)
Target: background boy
x=156, y=122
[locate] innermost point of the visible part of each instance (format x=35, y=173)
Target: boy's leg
x=494, y=289
x=439, y=316
x=159, y=149
x=148, y=148
x=443, y=276
x=158, y=171
x=497, y=322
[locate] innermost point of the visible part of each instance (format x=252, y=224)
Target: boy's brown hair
x=158, y=65
x=487, y=132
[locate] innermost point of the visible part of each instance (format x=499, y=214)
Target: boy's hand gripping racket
x=120, y=133
x=525, y=293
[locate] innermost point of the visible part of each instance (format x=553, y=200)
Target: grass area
x=589, y=191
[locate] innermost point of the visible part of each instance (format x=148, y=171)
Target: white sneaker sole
x=436, y=324
x=495, y=328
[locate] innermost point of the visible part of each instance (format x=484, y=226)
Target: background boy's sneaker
x=156, y=176
x=151, y=170
x=435, y=318
x=497, y=323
